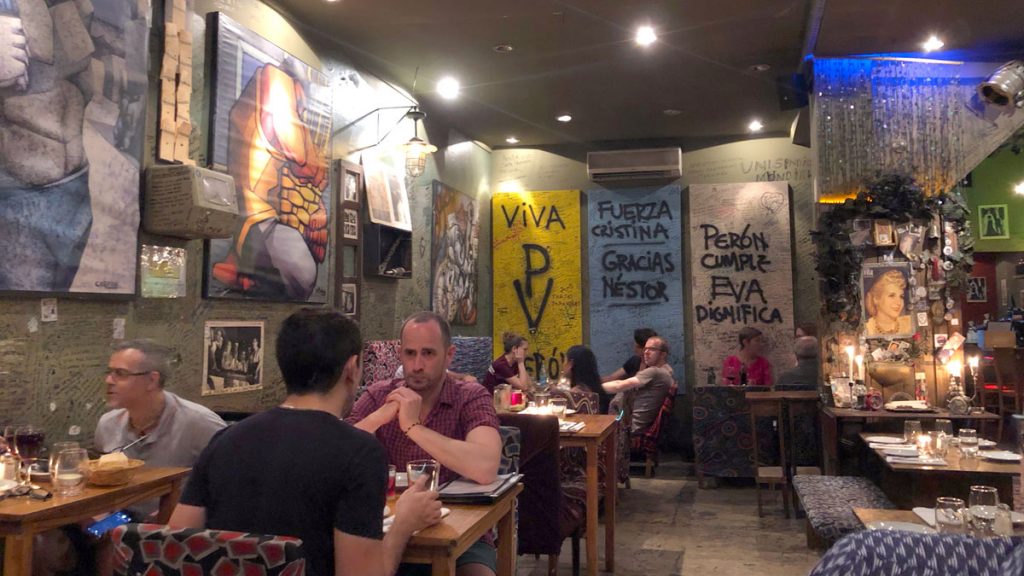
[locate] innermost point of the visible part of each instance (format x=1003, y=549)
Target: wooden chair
x=1008, y=366
x=645, y=445
x=771, y=476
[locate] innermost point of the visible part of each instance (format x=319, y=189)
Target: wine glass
x=71, y=468
x=949, y=515
x=983, y=504
x=29, y=440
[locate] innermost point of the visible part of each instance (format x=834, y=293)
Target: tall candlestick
x=849, y=354
x=860, y=367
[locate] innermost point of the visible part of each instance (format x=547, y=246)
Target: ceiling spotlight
x=503, y=48
x=448, y=88
x=512, y=140
x=755, y=126
x=645, y=36
x=564, y=118
x=671, y=112
x=759, y=68
x=1019, y=188
x=1005, y=86
x=932, y=44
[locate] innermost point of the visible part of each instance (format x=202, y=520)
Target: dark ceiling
x=578, y=57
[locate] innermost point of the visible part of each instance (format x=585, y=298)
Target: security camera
x=1005, y=86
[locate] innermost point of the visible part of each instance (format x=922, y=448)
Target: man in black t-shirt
x=629, y=367
x=297, y=470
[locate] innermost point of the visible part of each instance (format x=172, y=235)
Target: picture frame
x=350, y=182
x=977, y=289
x=233, y=358
x=885, y=295
x=861, y=232
x=993, y=222
x=883, y=233
x=349, y=293
x=350, y=224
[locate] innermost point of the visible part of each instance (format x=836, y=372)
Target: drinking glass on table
x=429, y=468
x=558, y=406
x=949, y=516
x=911, y=429
x=392, y=475
x=71, y=468
x=56, y=449
x=939, y=444
x=29, y=442
x=1004, y=520
x=983, y=504
x=969, y=443
x=945, y=426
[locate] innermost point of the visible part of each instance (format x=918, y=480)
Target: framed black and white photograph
x=350, y=224
x=993, y=222
x=977, y=289
x=348, y=299
x=351, y=178
x=233, y=361
x=861, y=233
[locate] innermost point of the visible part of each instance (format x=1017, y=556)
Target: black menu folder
x=463, y=491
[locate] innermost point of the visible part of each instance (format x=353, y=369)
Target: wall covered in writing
x=634, y=242
x=741, y=262
x=536, y=260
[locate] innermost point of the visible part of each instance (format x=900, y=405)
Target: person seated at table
x=297, y=470
x=648, y=387
x=510, y=367
x=630, y=367
x=884, y=302
x=805, y=375
x=430, y=414
x=748, y=367
x=580, y=370
x=170, y=430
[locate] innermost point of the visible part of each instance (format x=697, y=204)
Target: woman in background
x=748, y=367
x=510, y=367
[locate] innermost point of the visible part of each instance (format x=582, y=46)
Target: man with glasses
x=169, y=430
x=648, y=387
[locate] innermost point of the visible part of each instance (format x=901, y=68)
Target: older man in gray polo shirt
x=173, y=431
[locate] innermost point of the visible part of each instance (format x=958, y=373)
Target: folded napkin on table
x=566, y=426
x=919, y=460
x=879, y=446
x=926, y=514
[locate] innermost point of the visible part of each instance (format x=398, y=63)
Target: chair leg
x=552, y=564
x=757, y=489
x=649, y=468
x=785, y=500
x=576, y=553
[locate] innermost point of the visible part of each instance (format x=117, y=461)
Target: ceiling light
x=1005, y=86
x=932, y=44
x=645, y=36
x=504, y=48
x=448, y=88
x=1019, y=188
x=755, y=126
x=671, y=112
x=512, y=140
x=564, y=118
x=416, y=150
x=759, y=68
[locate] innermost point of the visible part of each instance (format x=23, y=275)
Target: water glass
x=392, y=475
x=558, y=406
x=983, y=504
x=945, y=426
x=1004, y=520
x=71, y=469
x=541, y=400
x=56, y=449
x=939, y=444
x=969, y=443
x=911, y=429
x=429, y=468
x=949, y=515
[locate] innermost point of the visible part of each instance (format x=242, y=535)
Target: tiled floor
x=666, y=525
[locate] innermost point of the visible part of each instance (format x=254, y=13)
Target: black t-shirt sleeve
x=631, y=366
x=197, y=488
x=361, y=510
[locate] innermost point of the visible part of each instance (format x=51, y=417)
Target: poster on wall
x=742, y=272
x=634, y=241
x=885, y=292
x=977, y=289
x=269, y=128
x=386, y=196
x=72, y=115
x=162, y=272
x=994, y=222
x=453, y=255
x=233, y=361
x=537, y=251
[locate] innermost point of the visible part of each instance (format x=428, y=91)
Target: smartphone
x=103, y=526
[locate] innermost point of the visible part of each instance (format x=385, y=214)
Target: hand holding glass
x=429, y=468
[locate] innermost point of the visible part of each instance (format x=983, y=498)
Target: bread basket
x=113, y=473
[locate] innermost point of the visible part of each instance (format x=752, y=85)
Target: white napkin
x=926, y=514
x=878, y=446
x=391, y=519
x=918, y=460
x=566, y=426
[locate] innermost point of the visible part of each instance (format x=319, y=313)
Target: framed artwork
x=163, y=272
x=351, y=178
x=280, y=250
x=453, y=255
x=350, y=224
x=993, y=222
x=386, y=197
x=233, y=361
x=977, y=289
x=885, y=291
x=883, y=233
x=74, y=90
x=861, y=232
x=348, y=299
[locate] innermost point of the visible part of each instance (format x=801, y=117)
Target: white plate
x=983, y=443
x=900, y=526
x=883, y=439
x=901, y=452
x=1001, y=455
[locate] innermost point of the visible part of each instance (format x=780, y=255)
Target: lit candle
x=860, y=366
x=973, y=362
x=849, y=353
x=955, y=368
x=924, y=443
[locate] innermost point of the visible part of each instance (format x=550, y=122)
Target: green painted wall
x=993, y=182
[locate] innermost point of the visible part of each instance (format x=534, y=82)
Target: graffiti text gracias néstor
x=630, y=269
x=736, y=261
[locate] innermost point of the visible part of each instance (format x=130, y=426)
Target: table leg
x=18, y=555
x=592, y=492
x=506, y=544
x=610, y=493
x=443, y=564
x=830, y=443
x=169, y=501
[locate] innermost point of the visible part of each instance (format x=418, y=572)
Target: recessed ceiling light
x=512, y=140
x=448, y=88
x=1019, y=188
x=504, y=48
x=671, y=112
x=331, y=1
x=932, y=44
x=759, y=68
x=564, y=118
x=645, y=36
x=755, y=126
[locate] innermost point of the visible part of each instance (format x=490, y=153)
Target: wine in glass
x=29, y=442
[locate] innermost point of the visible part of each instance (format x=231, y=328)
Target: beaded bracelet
x=411, y=426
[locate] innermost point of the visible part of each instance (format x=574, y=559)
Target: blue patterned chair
x=511, y=444
x=891, y=553
x=829, y=502
x=473, y=355
x=722, y=438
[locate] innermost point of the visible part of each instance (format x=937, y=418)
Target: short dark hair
x=313, y=346
x=642, y=335
x=510, y=340
x=748, y=333
x=428, y=316
x=156, y=357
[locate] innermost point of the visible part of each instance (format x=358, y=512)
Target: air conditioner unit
x=646, y=164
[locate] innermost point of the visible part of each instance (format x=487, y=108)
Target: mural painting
x=537, y=273
x=453, y=255
x=270, y=127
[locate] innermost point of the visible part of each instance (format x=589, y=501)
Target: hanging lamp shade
x=416, y=150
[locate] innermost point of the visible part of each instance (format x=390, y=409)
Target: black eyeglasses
x=122, y=373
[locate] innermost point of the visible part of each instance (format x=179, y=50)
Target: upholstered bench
x=829, y=502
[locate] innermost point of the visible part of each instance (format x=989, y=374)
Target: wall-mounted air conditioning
x=646, y=164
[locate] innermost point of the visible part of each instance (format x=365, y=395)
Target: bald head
x=806, y=348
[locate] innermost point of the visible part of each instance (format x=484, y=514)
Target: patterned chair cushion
x=511, y=444
x=380, y=360
x=722, y=437
x=885, y=553
x=472, y=355
x=159, y=549
x=829, y=502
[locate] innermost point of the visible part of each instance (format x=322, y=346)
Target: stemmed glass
x=983, y=504
x=29, y=440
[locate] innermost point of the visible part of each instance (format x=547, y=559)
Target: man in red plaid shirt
x=430, y=414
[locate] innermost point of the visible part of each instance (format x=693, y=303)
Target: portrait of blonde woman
x=885, y=302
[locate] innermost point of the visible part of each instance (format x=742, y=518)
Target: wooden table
x=600, y=428
x=441, y=544
x=832, y=419
x=909, y=485
x=868, y=515
x=22, y=517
